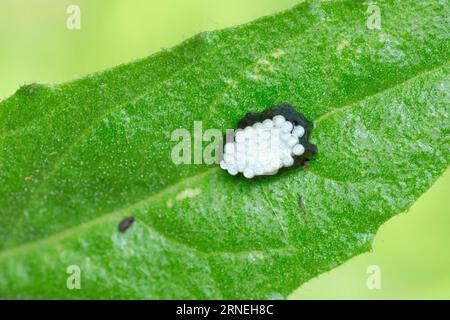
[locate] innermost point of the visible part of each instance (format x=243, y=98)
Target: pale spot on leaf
x=188, y=193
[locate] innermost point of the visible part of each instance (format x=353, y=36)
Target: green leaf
x=77, y=158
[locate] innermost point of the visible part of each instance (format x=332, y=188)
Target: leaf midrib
x=5, y=254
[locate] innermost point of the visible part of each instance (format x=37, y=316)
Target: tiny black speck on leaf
x=306, y=164
x=125, y=224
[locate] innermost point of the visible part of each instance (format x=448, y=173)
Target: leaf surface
x=77, y=158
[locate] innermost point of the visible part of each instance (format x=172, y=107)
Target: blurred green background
x=35, y=46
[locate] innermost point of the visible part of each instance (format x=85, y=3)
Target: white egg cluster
x=263, y=148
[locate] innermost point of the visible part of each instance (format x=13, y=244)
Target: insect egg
x=299, y=131
x=279, y=121
x=298, y=149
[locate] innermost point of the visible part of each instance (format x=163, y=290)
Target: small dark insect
x=125, y=224
x=302, y=206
